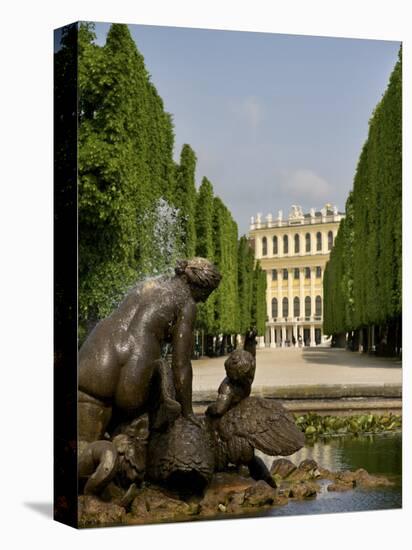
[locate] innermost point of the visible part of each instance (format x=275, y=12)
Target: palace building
x=294, y=251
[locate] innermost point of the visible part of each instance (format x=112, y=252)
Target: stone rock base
x=229, y=494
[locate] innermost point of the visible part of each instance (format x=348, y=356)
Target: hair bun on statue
x=199, y=272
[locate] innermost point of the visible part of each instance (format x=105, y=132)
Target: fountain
x=145, y=457
x=137, y=428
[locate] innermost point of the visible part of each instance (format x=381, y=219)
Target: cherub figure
x=240, y=368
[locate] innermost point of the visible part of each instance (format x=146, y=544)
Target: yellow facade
x=294, y=251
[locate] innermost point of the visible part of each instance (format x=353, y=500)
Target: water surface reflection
x=378, y=454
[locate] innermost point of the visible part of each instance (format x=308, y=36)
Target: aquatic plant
x=313, y=424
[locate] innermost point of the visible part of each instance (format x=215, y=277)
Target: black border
x=65, y=274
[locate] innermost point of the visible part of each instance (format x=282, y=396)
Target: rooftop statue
x=296, y=212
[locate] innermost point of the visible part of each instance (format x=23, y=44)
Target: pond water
x=378, y=454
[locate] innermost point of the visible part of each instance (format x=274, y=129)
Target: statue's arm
x=181, y=358
x=223, y=402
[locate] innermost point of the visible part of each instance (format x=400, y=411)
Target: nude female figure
x=122, y=355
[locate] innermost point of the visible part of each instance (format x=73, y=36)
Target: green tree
x=348, y=258
x=205, y=248
x=107, y=172
x=363, y=277
x=125, y=165
x=245, y=283
x=259, y=299
x=225, y=238
x=185, y=198
x=138, y=210
x=361, y=193
x=386, y=131
x=334, y=310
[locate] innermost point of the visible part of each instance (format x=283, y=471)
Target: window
x=296, y=307
x=296, y=273
x=297, y=244
x=285, y=274
x=285, y=307
x=318, y=241
x=318, y=272
x=307, y=272
x=330, y=240
x=285, y=244
x=275, y=245
x=264, y=246
x=274, y=308
x=307, y=241
x=274, y=274
x=307, y=306
x=318, y=306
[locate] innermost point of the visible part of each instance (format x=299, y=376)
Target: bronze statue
x=98, y=465
x=250, y=341
x=234, y=426
x=120, y=359
x=136, y=420
x=239, y=424
x=254, y=423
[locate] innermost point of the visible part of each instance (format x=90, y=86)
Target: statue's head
x=201, y=275
x=240, y=366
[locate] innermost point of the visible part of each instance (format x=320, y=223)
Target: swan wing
x=265, y=424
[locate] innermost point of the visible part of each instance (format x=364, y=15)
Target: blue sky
x=274, y=119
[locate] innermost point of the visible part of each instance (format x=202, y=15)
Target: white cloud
x=305, y=184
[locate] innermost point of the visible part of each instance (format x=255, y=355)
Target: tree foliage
x=121, y=173
x=138, y=209
x=259, y=300
x=184, y=197
x=205, y=248
x=363, y=278
x=225, y=257
x=245, y=281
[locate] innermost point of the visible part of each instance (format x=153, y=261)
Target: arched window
x=296, y=307
x=285, y=274
x=285, y=244
x=307, y=272
x=307, y=241
x=274, y=308
x=297, y=244
x=274, y=274
x=318, y=272
x=318, y=241
x=330, y=240
x=275, y=245
x=307, y=306
x=285, y=307
x=318, y=306
x=264, y=246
